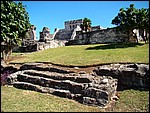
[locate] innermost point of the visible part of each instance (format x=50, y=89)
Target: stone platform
x=82, y=87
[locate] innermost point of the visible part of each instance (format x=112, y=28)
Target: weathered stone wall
x=32, y=45
x=50, y=44
x=95, y=28
x=28, y=46
x=134, y=76
x=110, y=35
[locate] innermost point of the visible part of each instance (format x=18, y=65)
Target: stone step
x=85, y=88
x=80, y=78
x=53, y=91
x=73, y=87
x=33, y=87
x=42, y=67
x=100, y=102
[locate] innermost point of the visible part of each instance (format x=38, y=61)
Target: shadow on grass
x=115, y=46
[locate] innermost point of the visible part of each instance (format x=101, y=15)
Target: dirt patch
x=76, y=69
x=66, y=68
x=11, y=58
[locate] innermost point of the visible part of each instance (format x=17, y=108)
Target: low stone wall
x=50, y=44
x=31, y=46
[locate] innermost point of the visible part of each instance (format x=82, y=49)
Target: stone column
x=33, y=33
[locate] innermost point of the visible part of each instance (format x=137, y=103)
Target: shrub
x=4, y=77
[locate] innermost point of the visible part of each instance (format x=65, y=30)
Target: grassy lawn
x=17, y=100
x=81, y=55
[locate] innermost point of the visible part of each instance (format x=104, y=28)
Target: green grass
x=133, y=101
x=18, y=100
x=81, y=55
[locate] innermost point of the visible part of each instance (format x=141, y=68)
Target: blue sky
x=53, y=14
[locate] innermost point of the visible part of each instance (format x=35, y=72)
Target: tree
x=132, y=18
x=14, y=25
x=143, y=22
x=86, y=26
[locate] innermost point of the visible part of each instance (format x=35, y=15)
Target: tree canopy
x=131, y=18
x=14, y=24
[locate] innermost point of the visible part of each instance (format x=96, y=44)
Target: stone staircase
x=63, y=34
x=83, y=87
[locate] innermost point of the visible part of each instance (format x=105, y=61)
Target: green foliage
x=131, y=18
x=86, y=24
x=14, y=24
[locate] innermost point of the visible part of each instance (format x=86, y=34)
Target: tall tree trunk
x=141, y=33
x=7, y=52
x=143, y=36
x=130, y=35
x=147, y=35
x=135, y=36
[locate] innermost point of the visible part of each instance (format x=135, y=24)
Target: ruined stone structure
x=46, y=41
x=63, y=34
x=72, y=34
x=97, y=88
x=28, y=44
x=70, y=25
x=45, y=35
x=97, y=34
x=71, y=29
x=129, y=76
x=82, y=87
x=31, y=33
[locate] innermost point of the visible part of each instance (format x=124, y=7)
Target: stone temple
x=71, y=27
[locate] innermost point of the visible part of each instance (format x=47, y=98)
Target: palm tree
x=143, y=22
x=86, y=26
